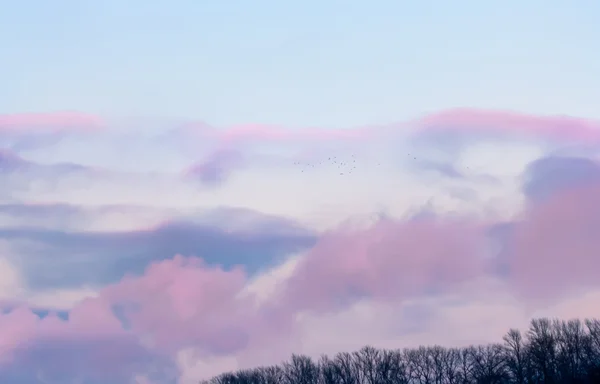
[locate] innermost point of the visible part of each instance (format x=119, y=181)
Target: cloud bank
x=240, y=245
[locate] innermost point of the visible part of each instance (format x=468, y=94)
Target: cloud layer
x=237, y=246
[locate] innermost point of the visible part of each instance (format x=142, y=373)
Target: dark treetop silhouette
x=549, y=352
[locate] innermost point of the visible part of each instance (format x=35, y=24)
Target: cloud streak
x=470, y=121
x=50, y=122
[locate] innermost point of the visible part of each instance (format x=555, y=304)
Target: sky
x=310, y=63
x=194, y=187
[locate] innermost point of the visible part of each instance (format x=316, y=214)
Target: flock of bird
x=345, y=167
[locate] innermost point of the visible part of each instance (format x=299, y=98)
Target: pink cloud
x=460, y=120
x=227, y=137
x=276, y=133
x=182, y=302
x=176, y=304
x=475, y=121
x=92, y=336
x=457, y=120
x=91, y=344
x=92, y=317
x=50, y=122
x=556, y=245
x=392, y=260
x=16, y=328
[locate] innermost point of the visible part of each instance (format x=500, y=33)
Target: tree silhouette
x=549, y=352
x=515, y=356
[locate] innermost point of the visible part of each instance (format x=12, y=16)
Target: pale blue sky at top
x=298, y=63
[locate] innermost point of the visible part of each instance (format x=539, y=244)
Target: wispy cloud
x=469, y=121
x=50, y=122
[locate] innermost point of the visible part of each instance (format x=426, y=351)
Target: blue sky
x=324, y=63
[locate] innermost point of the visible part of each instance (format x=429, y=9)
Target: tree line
x=550, y=351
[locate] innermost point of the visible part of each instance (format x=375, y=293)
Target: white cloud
x=194, y=368
x=13, y=288
x=60, y=299
x=11, y=281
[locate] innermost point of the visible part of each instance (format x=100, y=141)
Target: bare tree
x=225, y=378
x=419, y=366
x=489, y=365
x=516, y=355
x=542, y=351
x=346, y=368
x=466, y=365
x=391, y=368
x=367, y=361
x=592, y=350
x=247, y=376
x=436, y=357
x=593, y=331
x=300, y=370
x=451, y=366
x=271, y=375
x=327, y=370
x=571, y=342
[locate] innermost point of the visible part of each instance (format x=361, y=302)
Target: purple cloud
x=217, y=167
